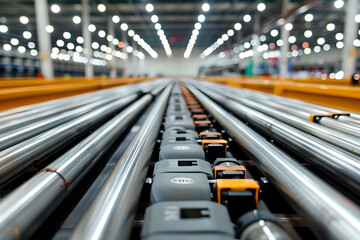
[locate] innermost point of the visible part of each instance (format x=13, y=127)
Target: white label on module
x=182, y=180
x=181, y=148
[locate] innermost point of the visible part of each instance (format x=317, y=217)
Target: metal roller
x=342, y=166
x=111, y=213
x=34, y=200
x=18, y=157
x=354, y=118
x=18, y=135
x=21, y=116
x=329, y=213
x=345, y=141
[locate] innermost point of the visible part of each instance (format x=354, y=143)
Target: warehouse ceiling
x=177, y=19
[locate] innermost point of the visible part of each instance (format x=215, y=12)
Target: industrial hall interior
x=180, y=119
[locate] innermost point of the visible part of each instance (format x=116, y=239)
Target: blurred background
x=273, y=38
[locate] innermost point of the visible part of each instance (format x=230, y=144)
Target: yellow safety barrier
x=16, y=93
x=342, y=96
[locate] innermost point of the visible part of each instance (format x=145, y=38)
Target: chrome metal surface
x=20, y=134
x=264, y=230
x=329, y=214
x=34, y=112
x=110, y=215
x=18, y=157
x=345, y=141
x=35, y=199
x=342, y=166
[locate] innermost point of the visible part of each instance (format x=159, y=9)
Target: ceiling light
x=55, y=8
x=339, y=36
x=136, y=38
x=115, y=19
x=14, y=41
x=356, y=42
x=70, y=46
x=262, y=38
x=317, y=49
x=24, y=20
x=201, y=18
x=115, y=41
x=247, y=18
x=33, y=53
x=279, y=42
x=326, y=47
x=237, y=26
x=49, y=28
x=225, y=37
x=76, y=19
x=330, y=27
x=157, y=26
x=102, y=33
x=80, y=40
x=31, y=45
x=109, y=38
x=308, y=17
x=60, y=43
x=27, y=34
x=129, y=49
x=292, y=39
x=92, y=28
x=101, y=7
x=160, y=32
x=321, y=41
x=274, y=32
x=288, y=27
x=339, y=45
x=124, y=26
x=3, y=29
x=195, y=32
x=230, y=32
x=79, y=49
x=339, y=3
x=131, y=33
x=149, y=7
x=66, y=35
x=197, y=26
x=154, y=18
x=357, y=18
x=205, y=7
x=261, y=7
x=308, y=33
x=307, y=51
x=95, y=45
x=21, y=49
x=7, y=47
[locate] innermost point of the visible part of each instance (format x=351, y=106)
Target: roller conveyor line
x=334, y=136
x=199, y=163
x=325, y=156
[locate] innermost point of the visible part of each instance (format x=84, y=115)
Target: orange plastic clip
x=237, y=185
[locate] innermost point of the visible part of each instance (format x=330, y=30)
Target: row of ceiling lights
x=246, y=52
x=201, y=18
x=237, y=26
x=288, y=27
x=160, y=32
x=55, y=8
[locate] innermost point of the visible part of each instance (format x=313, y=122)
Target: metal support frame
x=42, y=20
x=113, y=66
x=89, y=69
